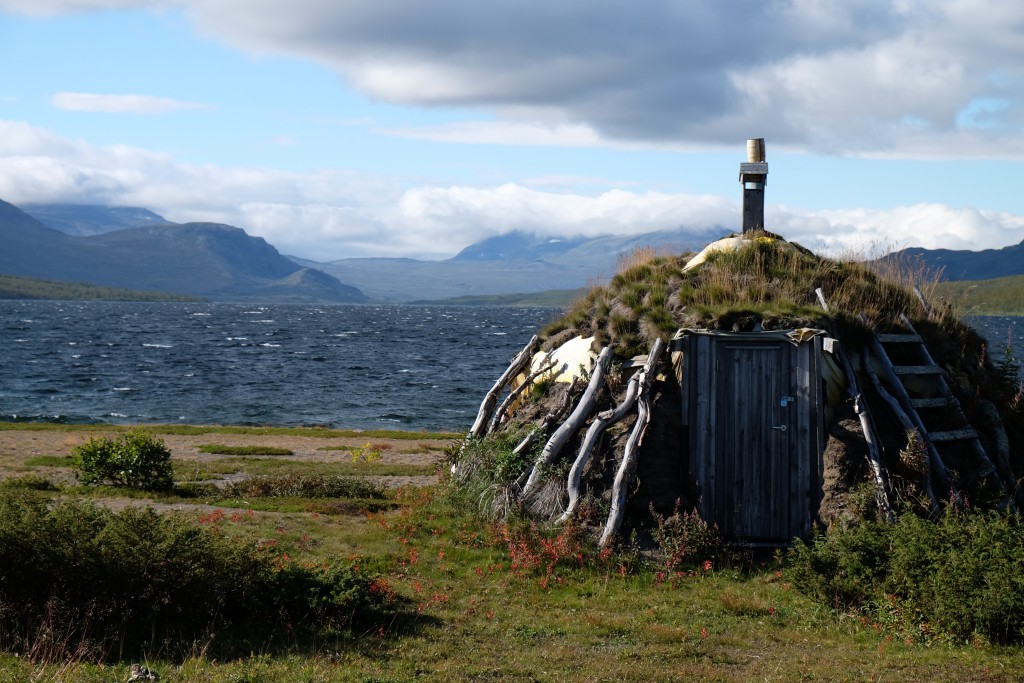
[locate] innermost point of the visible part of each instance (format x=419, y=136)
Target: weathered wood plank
x=917, y=370
x=953, y=435
x=898, y=338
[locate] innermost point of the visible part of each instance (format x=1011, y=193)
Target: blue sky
x=338, y=128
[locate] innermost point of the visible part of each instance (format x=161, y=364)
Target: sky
x=351, y=128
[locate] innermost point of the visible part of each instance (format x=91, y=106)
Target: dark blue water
x=402, y=367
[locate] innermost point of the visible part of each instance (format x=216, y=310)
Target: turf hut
x=756, y=383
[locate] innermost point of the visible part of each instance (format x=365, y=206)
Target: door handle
x=780, y=428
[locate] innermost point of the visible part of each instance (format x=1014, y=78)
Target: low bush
x=958, y=578
x=123, y=582
x=218, y=449
x=29, y=481
x=135, y=460
x=685, y=539
x=303, y=486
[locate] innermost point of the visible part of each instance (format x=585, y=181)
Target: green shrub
x=685, y=539
x=957, y=578
x=135, y=460
x=126, y=581
x=29, y=481
x=303, y=486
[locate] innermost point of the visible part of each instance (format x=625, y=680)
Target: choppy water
x=404, y=367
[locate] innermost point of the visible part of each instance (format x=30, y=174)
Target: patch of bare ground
x=18, y=447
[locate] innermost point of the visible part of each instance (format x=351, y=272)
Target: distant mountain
x=86, y=219
x=209, y=260
x=513, y=263
x=518, y=246
x=966, y=265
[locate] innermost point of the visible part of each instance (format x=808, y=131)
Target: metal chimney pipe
x=754, y=176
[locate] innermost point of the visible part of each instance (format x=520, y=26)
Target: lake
x=367, y=367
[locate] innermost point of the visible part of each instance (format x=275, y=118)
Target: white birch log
x=597, y=428
x=519, y=361
x=550, y=419
x=578, y=416
x=499, y=414
x=627, y=469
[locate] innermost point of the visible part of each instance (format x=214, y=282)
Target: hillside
x=87, y=219
x=200, y=259
x=966, y=265
x=999, y=296
x=12, y=287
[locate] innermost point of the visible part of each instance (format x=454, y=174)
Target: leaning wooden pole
x=871, y=439
x=572, y=424
x=908, y=426
x=499, y=414
x=860, y=407
x=545, y=425
x=627, y=469
x=519, y=361
x=938, y=467
x=597, y=428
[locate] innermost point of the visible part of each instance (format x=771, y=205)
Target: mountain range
x=956, y=265
x=516, y=262
x=210, y=260
x=131, y=247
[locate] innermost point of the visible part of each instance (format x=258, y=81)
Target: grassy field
x=1001, y=296
x=473, y=601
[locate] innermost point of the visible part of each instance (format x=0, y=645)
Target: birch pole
x=598, y=427
x=519, y=361
x=627, y=469
x=562, y=435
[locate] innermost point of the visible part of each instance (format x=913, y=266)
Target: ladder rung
x=904, y=338
x=953, y=435
x=930, y=402
x=917, y=369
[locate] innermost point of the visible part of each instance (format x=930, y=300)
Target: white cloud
x=49, y=8
x=325, y=215
x=119, y=104
x=859, y=77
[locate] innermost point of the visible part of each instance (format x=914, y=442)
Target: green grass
x=219, y=449
x=195, y=471
x=522, y=615
x=572, y=622
x=1000, y=296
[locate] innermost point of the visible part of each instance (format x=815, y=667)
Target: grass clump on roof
x=768, y=283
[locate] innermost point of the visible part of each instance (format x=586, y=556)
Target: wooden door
x=756, y=423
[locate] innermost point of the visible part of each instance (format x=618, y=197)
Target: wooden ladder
x=922, y=391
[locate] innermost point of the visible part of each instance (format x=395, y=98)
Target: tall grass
x=774, y=281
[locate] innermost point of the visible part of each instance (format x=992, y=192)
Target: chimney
x=754, y=176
